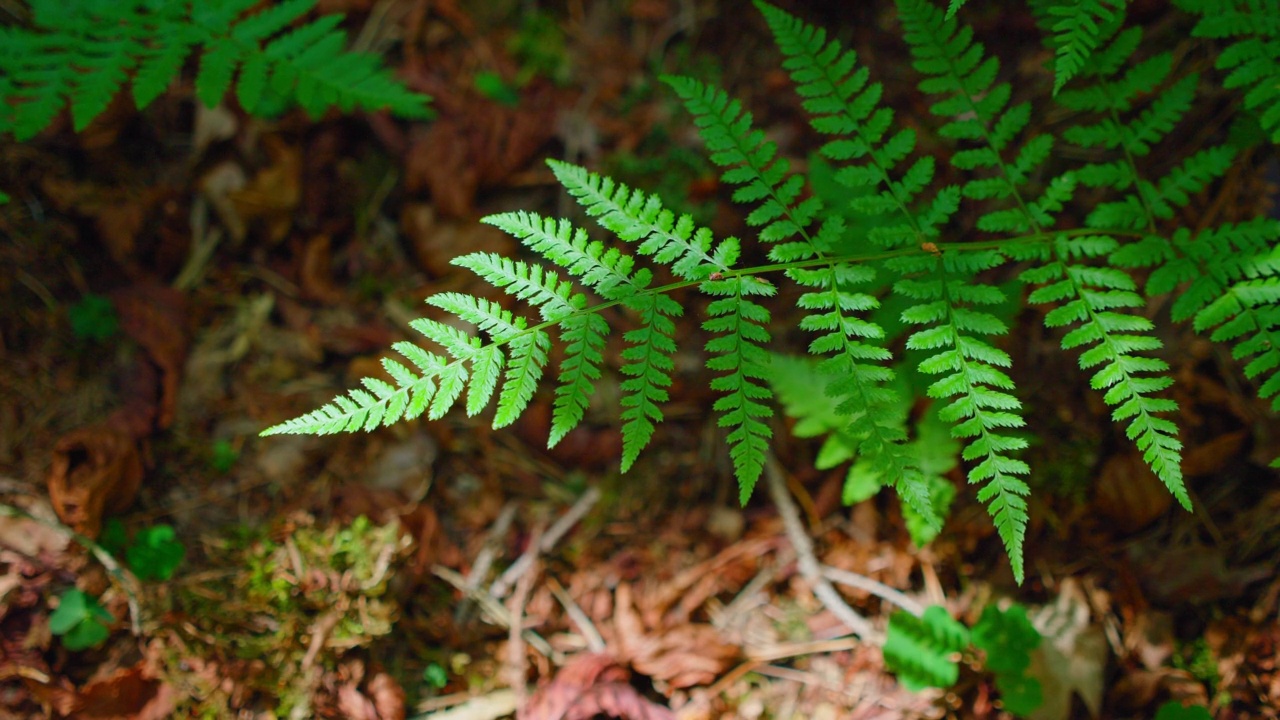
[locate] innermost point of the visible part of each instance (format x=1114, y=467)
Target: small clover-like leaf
x=80, y=621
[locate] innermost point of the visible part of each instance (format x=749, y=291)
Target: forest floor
x=175, y=281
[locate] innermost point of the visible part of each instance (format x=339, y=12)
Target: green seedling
x=436, y=676
x=1174, y=710
x=223, y=456
x=80, y=621
x=93, y=318
x=153, y=554
x=491, y=85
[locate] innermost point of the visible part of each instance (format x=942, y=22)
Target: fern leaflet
x=83, y=52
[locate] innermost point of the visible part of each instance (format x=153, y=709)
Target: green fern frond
x=980, y=406
x=82, y=53
x=953, y=6
x=1253, y=58
x=1088, y=298
x=841, y=103
x=1078, y=27
x=825, y=75
x=738, y=352
x=922, y=650
x=871, y=244
x=1229, y=278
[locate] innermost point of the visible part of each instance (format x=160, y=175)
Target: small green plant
x=924, y=652
x=84, y=52
x=435, y=676
x=1174, y=710
x=153, y=553
x=223, y=456
x=93, y=318
x=1094, y=233
x=80, y=621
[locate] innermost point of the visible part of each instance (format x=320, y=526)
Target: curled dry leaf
x=95, y=470
x=588, y=686
x=315, y=274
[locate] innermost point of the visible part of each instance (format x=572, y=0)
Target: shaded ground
x=253, y=269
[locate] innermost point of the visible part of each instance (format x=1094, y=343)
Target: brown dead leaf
x=273, y=193
x=1128, y=494
x=119, y=214
x=128, y=694
x=315, y=274
x=477, y=143
x=588, y=686
x=1211, y=457
x=95, y=470
x=1072, y=658
x=437, y=242
x=682, y=655
x=154, y=316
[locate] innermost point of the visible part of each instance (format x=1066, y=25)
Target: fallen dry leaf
x=273, y=193
x=477, y=143
x=683, y=655
x=128, y=694
x=154, y=316
x=587, y=686
x=94, y=470
x=1072, y=658
x=1128, y=494
x=315, y=273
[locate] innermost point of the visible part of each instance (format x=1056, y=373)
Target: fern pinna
x=83, y=52
x=893, y=233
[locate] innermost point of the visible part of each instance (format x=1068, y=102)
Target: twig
x=595, y=642
x=503, y=584
x=494, y=609
x=875, y=587
x=516, y=665
x=484, y=559
x=805, y=558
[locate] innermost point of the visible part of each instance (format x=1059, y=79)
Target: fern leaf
x=979, y=404
x=922, y=650
x=738, y=353
x=636, y=217
x=953, y=6
x=842, y=104
x=527, y=356
x=1253, y=58
x=553, y=297
x=1079, y=26
x=648, y=364
x=82, y=55
x=1090, y=297
x=607, y=271
x=752, y=164
x=583, y=337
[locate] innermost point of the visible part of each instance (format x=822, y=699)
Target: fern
x=891, y=235
x=922, y=650
x=1253, y=59
x=82, y=53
